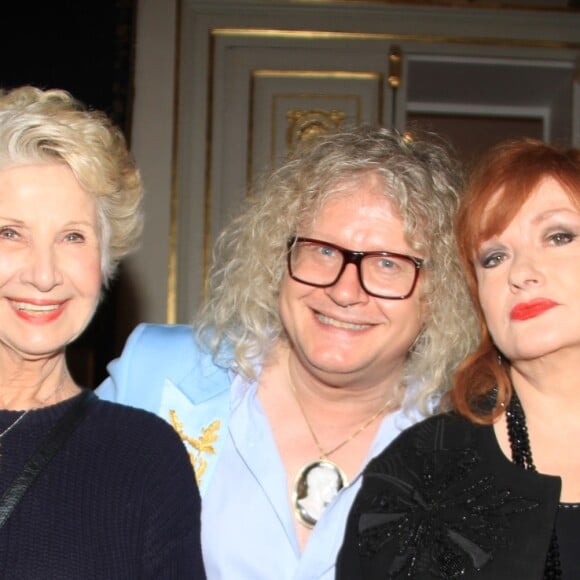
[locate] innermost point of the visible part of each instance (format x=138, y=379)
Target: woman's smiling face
x=50, y=275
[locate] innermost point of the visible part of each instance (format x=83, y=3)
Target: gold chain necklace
x=356, y=433
x=318, y=482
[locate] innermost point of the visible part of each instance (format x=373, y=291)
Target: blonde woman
x=89, y=489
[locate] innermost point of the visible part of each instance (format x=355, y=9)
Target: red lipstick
x=531, y=309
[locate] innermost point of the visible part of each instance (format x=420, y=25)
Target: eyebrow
x=11, y=219
x=78, y=223
x=547, y=214
x=71, y=224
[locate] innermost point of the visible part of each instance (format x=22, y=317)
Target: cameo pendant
x=315, y=486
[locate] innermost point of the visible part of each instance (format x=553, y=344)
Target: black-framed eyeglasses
x=381, y=274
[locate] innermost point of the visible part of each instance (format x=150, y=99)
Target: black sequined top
x=443, y=501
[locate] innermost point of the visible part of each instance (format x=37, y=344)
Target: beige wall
x=171, y=121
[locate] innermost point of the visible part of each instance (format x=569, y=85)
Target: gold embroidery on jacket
x=197, y=447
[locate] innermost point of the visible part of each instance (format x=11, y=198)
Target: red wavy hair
x=508, y=173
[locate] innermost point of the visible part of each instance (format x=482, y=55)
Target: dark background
x=86, y=48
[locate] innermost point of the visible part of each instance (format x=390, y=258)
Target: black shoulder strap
x=44, y=453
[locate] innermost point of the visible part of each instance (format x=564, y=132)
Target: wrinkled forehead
x=363, y=188
x=366, y=183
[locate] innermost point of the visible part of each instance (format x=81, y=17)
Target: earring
x=501, y=359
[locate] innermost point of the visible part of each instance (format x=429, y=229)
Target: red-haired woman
x=492, y=489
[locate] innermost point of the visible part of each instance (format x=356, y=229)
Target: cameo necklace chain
x=318, y=481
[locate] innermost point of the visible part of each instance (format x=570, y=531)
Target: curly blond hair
x=240, y=320
x=51, y=126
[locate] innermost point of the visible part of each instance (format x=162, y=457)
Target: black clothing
x=118, y=501
x=443, y=501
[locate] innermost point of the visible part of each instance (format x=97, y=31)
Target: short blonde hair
x=51, y=126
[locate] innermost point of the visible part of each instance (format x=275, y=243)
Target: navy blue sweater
x=119, y=500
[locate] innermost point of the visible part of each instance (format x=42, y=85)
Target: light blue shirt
x=247, y=519
x=257, y=539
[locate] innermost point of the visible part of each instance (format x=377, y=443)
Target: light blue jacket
x=163, y=370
